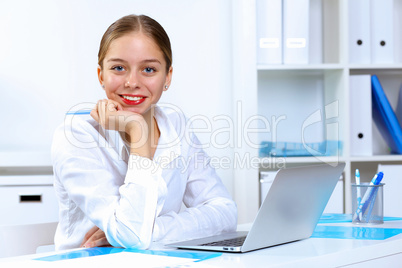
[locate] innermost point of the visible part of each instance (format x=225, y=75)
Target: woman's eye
x=118, y=68
x=149, y=70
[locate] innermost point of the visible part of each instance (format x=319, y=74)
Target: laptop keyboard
x=234, y=242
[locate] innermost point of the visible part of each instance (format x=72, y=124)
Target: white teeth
x=132, y=98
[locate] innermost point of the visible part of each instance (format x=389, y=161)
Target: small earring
x=166, y=86
x=103, y=86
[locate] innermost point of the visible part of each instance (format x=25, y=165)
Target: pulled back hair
x=136, y=23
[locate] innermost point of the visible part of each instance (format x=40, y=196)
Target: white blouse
x=133, y=199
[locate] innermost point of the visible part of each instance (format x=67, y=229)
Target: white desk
x=312, y=252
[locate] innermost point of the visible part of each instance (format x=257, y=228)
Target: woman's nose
x=132, y=81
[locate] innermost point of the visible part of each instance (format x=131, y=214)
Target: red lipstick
x=140, y=99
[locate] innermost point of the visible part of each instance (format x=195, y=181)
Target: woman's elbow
x=130, y=240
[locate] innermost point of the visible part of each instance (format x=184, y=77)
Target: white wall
x=48, y=60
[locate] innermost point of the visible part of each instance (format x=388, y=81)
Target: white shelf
x=299, y=160
x=325, y=66
x=25, y=159
x=377, y=158
x=32, y=180
x=396, y=66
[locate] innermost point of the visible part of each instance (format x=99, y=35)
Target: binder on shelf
x=316, y=34
x=269, y=31
x=359, y=32
x=385, y=118
x=392, y=189
x=361, y=135
x=399, y=106
x=296, y=31
x=382, y=43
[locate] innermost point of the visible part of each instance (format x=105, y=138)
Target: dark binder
x=385, y=118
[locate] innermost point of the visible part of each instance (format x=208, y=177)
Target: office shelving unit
x=279, y=89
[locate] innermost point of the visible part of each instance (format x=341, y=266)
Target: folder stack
x=371, y=31
x=283, y=31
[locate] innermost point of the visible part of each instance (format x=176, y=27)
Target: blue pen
x=371, y=201
x=363, y=205
x=78, y=112
x=358, y=192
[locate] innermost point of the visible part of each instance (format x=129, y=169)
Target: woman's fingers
x=112, y=106
x=94, y=113
x=95, y=238
x=102, y=112
x=100, y=242
x=89, y=234
x=110, y=115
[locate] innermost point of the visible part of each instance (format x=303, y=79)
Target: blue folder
x=385, y=118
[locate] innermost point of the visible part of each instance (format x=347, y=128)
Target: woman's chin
x=133, y=110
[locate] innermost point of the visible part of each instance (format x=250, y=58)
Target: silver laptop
x=290, y=211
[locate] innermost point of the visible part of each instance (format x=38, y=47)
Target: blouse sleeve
x=125, y=212
x=209, y=208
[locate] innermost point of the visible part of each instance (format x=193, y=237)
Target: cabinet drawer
x=28, y=204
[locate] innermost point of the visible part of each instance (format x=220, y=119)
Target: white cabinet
x=294, y=99
x=27, y=200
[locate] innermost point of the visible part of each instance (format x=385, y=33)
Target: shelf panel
x=25, y=159
x=375, y=66
x=329, y=159
x=300, y=67
x=21, y=180
x=330, y=67
x=279, y=162
x=377, y=158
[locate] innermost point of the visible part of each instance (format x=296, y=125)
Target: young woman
x=136, y=163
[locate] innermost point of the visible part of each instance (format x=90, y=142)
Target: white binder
x=392, y=189
x=316, y=53
x=269, y=31
x=296, y=31
x=359, y=32
x=361, y=135
x=382, y=43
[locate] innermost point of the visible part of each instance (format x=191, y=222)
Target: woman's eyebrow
x=143, y=61
x=151, y=60
x=116, y=59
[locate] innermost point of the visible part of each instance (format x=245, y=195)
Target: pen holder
x=370, y=208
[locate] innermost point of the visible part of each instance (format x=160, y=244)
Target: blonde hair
x=136, y=23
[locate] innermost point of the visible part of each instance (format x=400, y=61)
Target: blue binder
x=385, y=118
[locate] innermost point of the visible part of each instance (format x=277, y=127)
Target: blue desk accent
x=338, y=218
x=88, y=252
x=335, y=218
x=343, y=232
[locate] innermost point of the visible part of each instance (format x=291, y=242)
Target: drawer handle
x=30, y=198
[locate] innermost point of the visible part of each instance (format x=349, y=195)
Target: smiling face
x=134, y=72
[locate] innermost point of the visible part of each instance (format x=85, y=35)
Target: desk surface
x=312, y=252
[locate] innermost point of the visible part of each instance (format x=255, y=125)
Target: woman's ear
x=168, y=78
x=100, y=76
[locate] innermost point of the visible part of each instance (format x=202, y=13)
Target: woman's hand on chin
x=110, y=115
